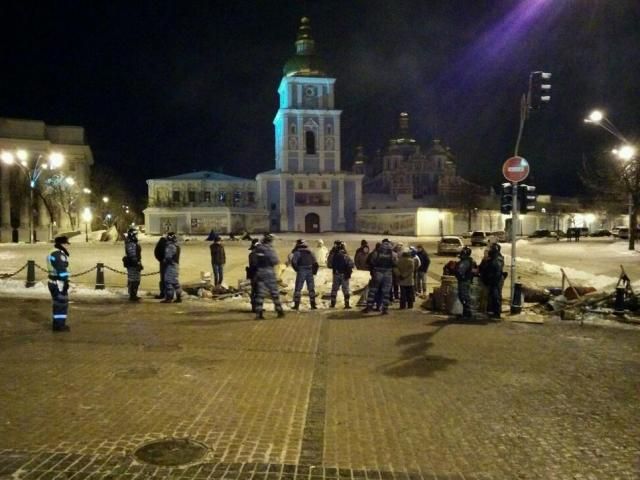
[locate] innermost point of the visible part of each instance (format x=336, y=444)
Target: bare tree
x=64, y=194
x=615, y=182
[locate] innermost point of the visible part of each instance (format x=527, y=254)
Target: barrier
x=31, y=274
x=100, y=276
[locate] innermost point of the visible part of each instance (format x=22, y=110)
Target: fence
x=31, y=267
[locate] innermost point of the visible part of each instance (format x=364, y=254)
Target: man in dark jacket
x=158, y=252
x=305, y=265
x=251, y=272
x=172, y=270
x=218, y=259
x=491, y=274
x=465, y=270
x=266, y=282
x=360, y=257
x=58, y=268
x=421, y=272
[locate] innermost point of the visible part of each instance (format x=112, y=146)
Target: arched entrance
x=312, y=223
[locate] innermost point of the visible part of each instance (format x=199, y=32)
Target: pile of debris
x=574, y=302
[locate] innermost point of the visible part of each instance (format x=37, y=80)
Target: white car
x=450, y=245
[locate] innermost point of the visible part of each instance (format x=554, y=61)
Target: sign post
x=514, y=169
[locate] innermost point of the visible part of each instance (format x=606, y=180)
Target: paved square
x=328, y=395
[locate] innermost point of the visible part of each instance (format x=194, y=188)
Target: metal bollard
x=31, y=274
x=100, y=276
x=618, y=306
x=516, y=301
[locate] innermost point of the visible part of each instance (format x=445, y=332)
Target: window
x=222, y=197
x=176, y=196
x=312, y=184
x=324, y=185
x=310, y=141
x=314, y=199
x=329, y=128
x=251, y=197
x=292, y=128
x=300, y=187
x=273, y=206
x=191, y=196
x=207, y=197
x=237, y=197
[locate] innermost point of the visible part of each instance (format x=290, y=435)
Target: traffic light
x=506, y=199
x=526, y=198
x=539, y=90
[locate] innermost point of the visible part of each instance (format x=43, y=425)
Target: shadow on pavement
x=414, y=360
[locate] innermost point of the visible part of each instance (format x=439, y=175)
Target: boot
x=366, y=309
x=296, y=305
x=346, y=303
x=61, y=328
x=259, y=315
x=313, y=305
x=385, y=311
x=333, y=302
x=280, y=313
x=179, y=299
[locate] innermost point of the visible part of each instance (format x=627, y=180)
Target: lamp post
x=32, y=170
x=87, y=216
x=440, y=219
x=627, y=153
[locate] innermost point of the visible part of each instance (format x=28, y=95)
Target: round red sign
x=515, y=169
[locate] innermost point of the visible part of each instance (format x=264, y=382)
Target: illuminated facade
x=308, y=191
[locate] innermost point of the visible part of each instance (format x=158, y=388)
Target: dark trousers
x=60, y=302
x=217, y=273
x=163, y=288
x=407, y=296
x=495, y=299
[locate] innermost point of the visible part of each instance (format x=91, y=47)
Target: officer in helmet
x=305, y=265
x=465, y=270
x=266, y=260
x=133, y=262
x=58, y=269
x=492, y=275
x=172, y=270
x=251, y=270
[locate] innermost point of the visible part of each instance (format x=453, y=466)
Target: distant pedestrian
x=342, y=268
x=465, y=270
x=382, y=262
x=360, y=257
x=421, y=272
x=172, y=270
x=306, y=266
x=58, y=269
x=397, y=249
x=321, y=252
x=405, y=271
x=218, y=259
x=266, y=281
x=158, y=253
x=133, y=263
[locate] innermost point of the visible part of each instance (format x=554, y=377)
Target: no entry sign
x=515, y=169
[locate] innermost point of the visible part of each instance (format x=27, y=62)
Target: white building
x=308, y=191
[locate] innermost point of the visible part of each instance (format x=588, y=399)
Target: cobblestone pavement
x=328, y=395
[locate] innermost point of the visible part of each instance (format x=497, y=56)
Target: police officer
x=492, y=275
x=133, y=263
x=158, y=252
x=172, y=270
x=382, y=261
x=266, y=276
x=58, y=267
x=305, y=265
x=464, y=273
x=342, y=266
x=251, y=272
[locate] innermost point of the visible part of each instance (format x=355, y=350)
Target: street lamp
x=440, y=219
x=32, y=171
x=87, y=216
x=627, y=152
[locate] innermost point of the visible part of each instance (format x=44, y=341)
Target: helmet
x=495, y=247
x=465, y=252
x=171, y=236
x=363, y=243
x=254, y=243
x=267, y=238
x=132, y=232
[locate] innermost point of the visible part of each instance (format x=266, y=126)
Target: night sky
x=164, y=88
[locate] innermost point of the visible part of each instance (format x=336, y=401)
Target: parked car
x=603, y=232
x=450, y=245
x=623, y=233
x=541, y=233
x=479, y=237
x=500, y=235
x=573, y=231
x=616, y=229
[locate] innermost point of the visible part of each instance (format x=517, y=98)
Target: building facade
x=203, y=201
x=308, y=191
x=49, y=213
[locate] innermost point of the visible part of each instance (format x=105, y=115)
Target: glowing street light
x=105, y=200
x=626, y=152
x=595, y=116
x=87, y=216
x=70, y=181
